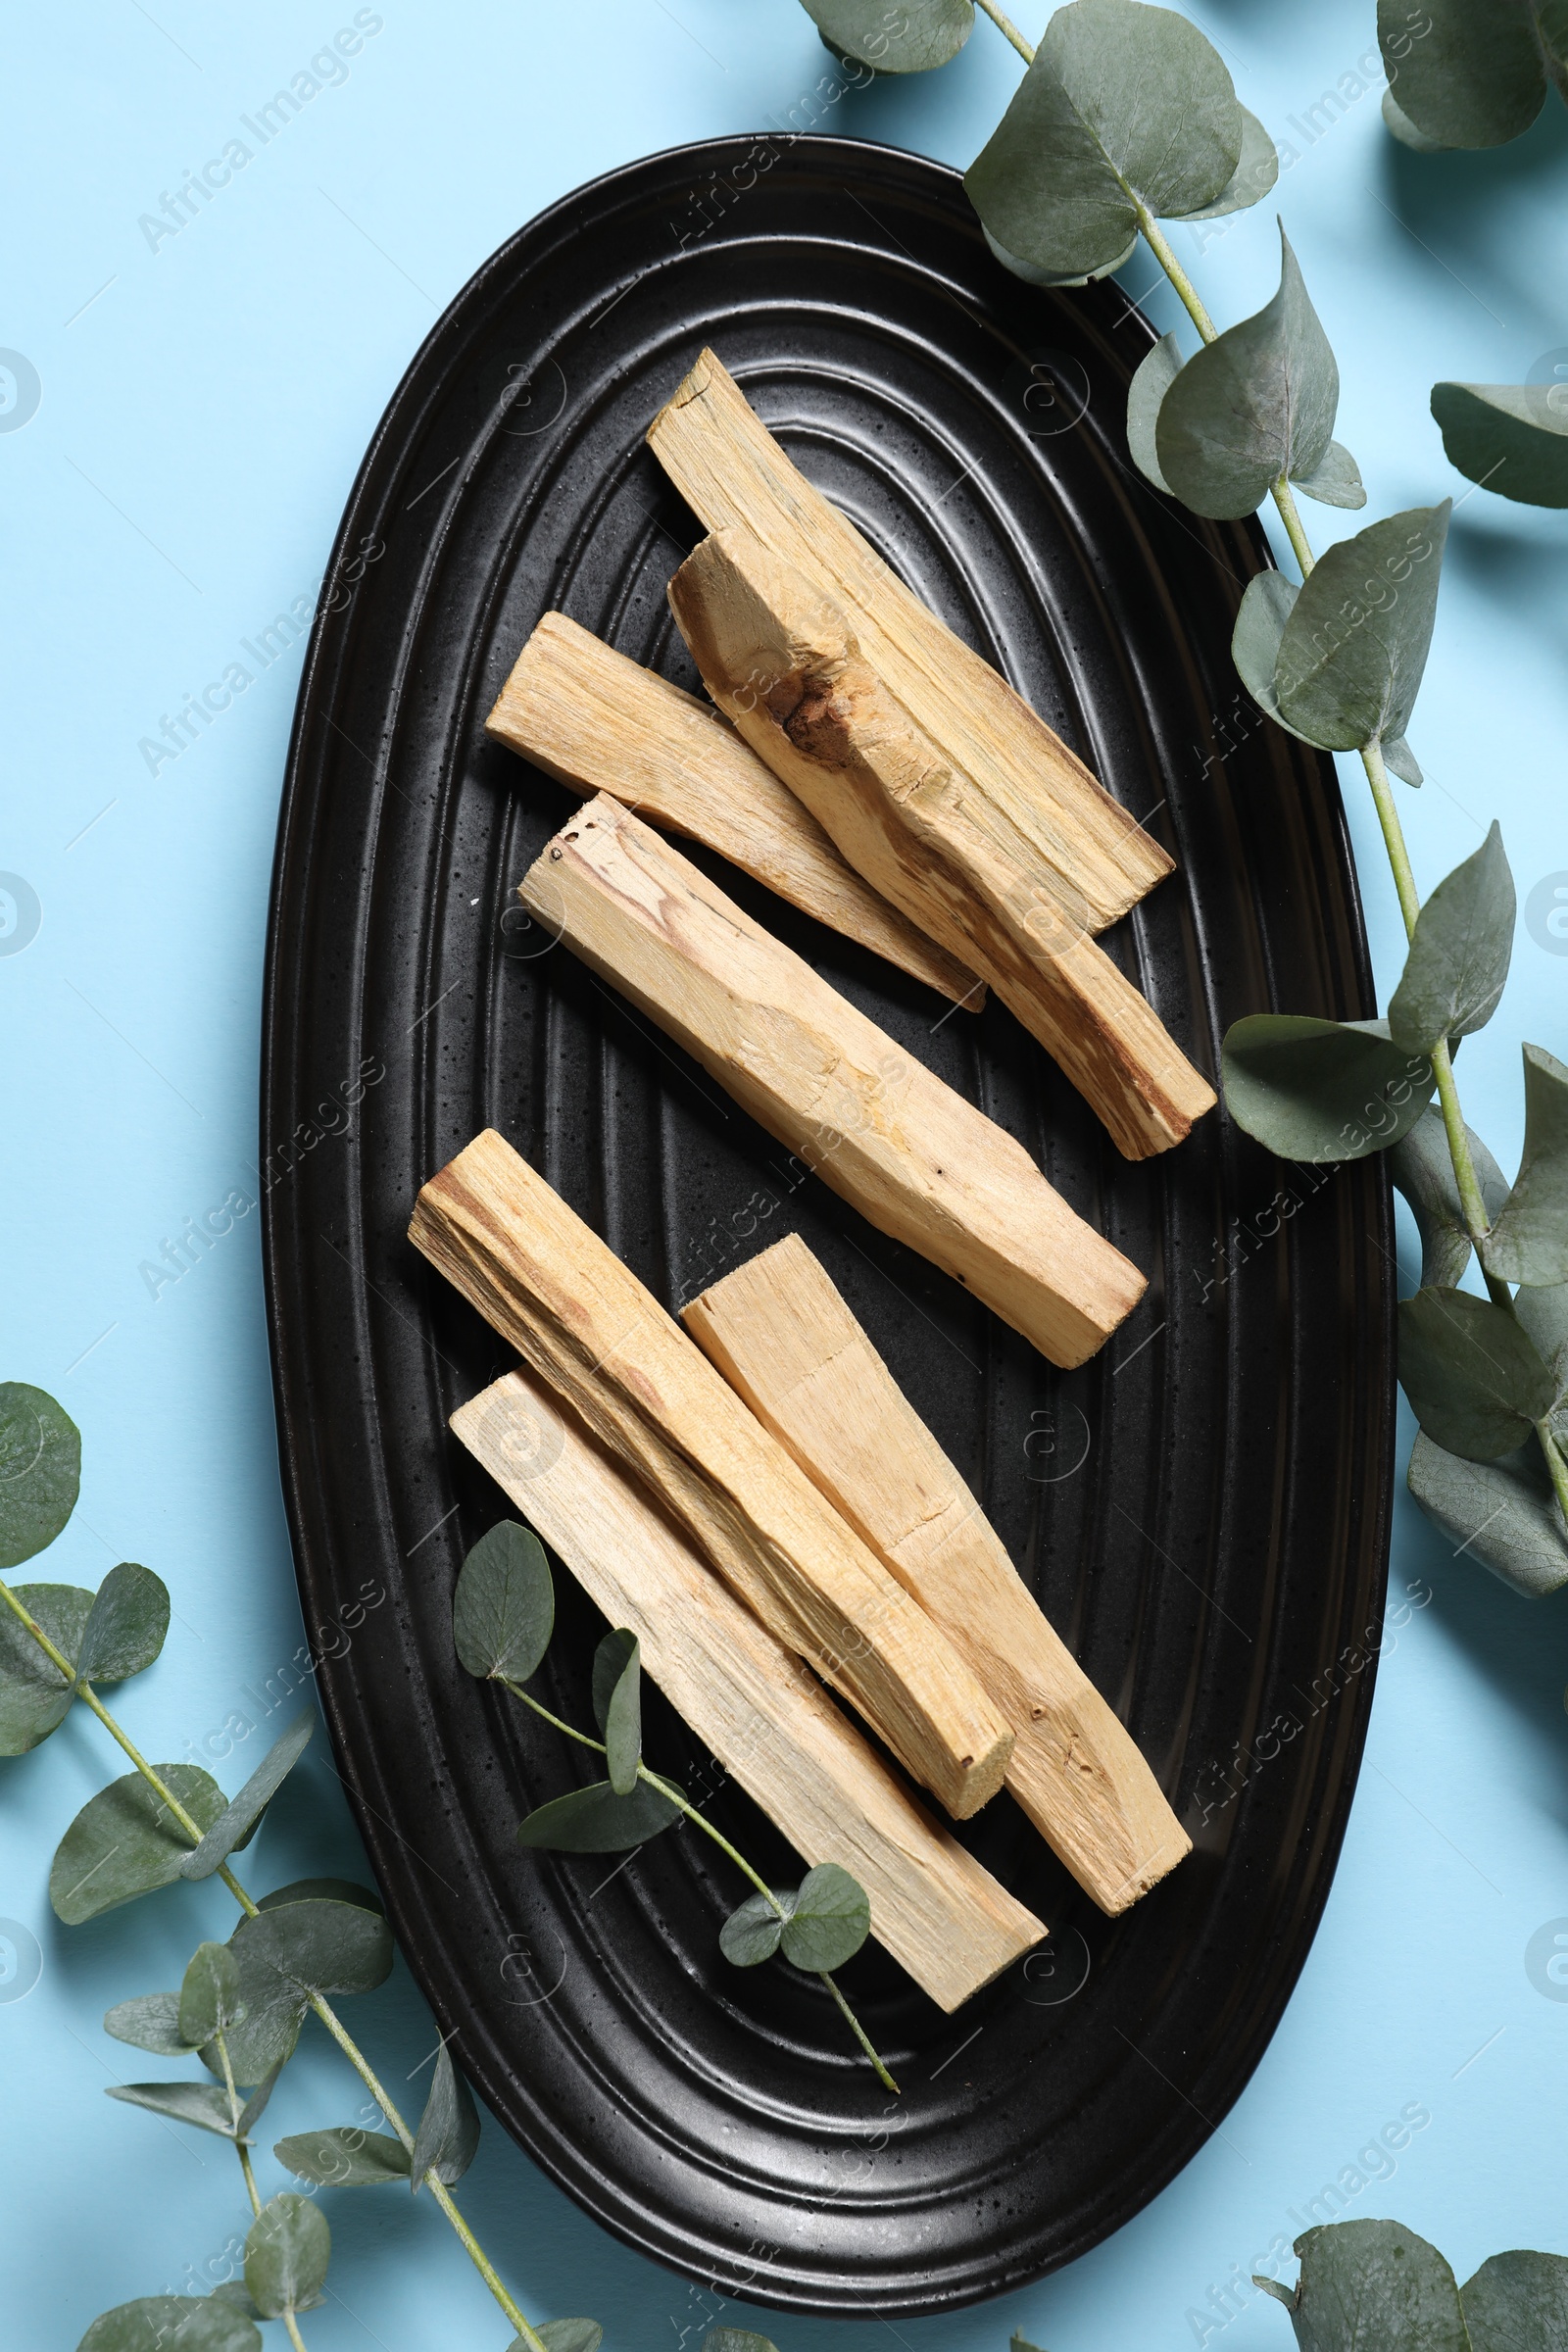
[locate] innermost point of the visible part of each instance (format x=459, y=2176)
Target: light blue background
x=201, y=420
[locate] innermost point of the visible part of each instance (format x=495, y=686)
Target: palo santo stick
x=781, y=661
x=747, y=1699
x=598, y=722
x=913, y=1157
x=784, y=1339
x=729, y=468
x=586, y=1324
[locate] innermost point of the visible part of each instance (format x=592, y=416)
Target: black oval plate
x=1203, y=1510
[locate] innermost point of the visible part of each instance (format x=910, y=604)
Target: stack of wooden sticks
x=752, y=1495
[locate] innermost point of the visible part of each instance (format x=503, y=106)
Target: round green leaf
x=1266, y=606
x=34, y=1695
x=344, y=2157
x=1528, y=1242
x=1354, y=649
x=565, y=2336
x=1032, y=276
x=737, y=2339
x=1375, y=2284
x=1544, y=1316
x=908, y=39
x=150, y=2021
x=753, y=1933
x=1156, y=371
x=1256, y=173
x=126, y=1627
x=283, y=1956
x=1123, y=104
x=829, y=1921
x=209, y=1997
x=596, y=1820
x=1464, y=75
x=1335, y=481
x=172, y=2323
x=1501, y=1513
x=1256, y=403
x=326, y=1891
x=1517, y=2303
x=1474, y=1377
x=125, y=1841
x=40, y=1471
x=286, y=2255
x=1459, y=960
x=447, y=2139
x=255, y=2105
x=504, y=1609
x=1322, y=1091
x=617, y=1680
x=1422, y=1170
x=200, y=2103
x=1508, y=437
x=239, y=1818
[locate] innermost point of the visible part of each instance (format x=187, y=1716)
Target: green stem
x=668, y=1789
x=483, y=2264
x=1159, y=246
x=1008, y=29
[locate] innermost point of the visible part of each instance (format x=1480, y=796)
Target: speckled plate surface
x=1203, y=1510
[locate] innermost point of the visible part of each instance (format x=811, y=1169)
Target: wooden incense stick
x=729, y=470
x=748, y=1697
x=784, y=1339
x=598, y=722
x=781, y=661
x=913, y=1157
x=586, y=1324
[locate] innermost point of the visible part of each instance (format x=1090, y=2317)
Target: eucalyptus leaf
x=567, y=2335
x=1508, y=437
x=751, y=1933
x=1474, y=1378
x=1400, y=760
x=344, y=2157
x=236, y=2292
x=240, y=1817
x=126, y=1627
x=1528, y=1242
x=286, y=1954
x=1517, y=2303
x=1354, y=649
x=173, y=2323
x=611, y=1661
x=1123, y=105
x=286, y=2255
x=1335, y=481
x=447, y=2139
x=910, y=38
x=1156, y=371
x=596, y=1820
x=40, y=1471
x=1544, y=1316
x=209, y=1997
x=199, y=2104
x=125, y=1841
x=1464, y=75
x=1322, y=1091
x=623, y=1720
x=1258, y=403
x=1405, y=131
x=1256, y=173
x=150, y=2021
x=829, y=1920
x=504, y=1609
x=1422, y=1170
x=737, y=2339
x=34, y=1695
x=1032, y=276
x=1375, y=2284
x=1502, y=1513
x=1459, y=955
x=1267, y=603
x=326, y=1891
x=255, y=2107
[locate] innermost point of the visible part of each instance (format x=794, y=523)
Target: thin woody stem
x=1007, y=29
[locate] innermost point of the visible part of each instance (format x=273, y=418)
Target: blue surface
x=203, y=407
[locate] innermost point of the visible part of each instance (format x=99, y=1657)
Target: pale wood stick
x=781, y=661
x=785, y=1340
x=586, y=1324
x=913, y=1157
x=598, y=722
x=747, y=1697
x=729, y=468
